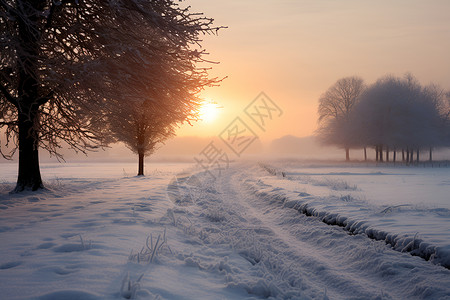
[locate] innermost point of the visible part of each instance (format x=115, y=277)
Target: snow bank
x=359, y=217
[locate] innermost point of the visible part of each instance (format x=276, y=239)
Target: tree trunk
x=377, y=154
x=347, y=154
x=387, y=153
x=407, y=155
x=381, y=153
x=431, y=155
x=28, y=100
x=417, y=158
x=141, y=164
x=29, y=176
x=403, y=154
x=365, y=153
x=394, y=158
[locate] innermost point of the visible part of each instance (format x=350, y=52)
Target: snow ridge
x=301, y=202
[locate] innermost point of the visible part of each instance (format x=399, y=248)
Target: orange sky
x=293, y=50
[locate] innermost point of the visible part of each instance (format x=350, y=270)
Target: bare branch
x=8, y=96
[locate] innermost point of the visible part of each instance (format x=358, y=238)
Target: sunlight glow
x=209, y=111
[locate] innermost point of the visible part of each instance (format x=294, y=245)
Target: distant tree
x=60, y=63
x=398, y=113
x=141, y=127
x=169, y=96
x=143, y=124
x=445, y=113
x=335, y=107
x=441, y=102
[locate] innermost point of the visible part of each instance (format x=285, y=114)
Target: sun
x=209, y=110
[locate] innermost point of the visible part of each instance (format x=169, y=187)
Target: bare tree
x=441, y=101
x=142, y=127
x=60, y=61
x=168, y=97
x=335, y=106
x=398, y=113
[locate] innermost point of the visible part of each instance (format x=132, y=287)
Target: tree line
x=89, y=73
x=394, y=115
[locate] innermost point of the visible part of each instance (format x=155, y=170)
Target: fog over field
x=186, y=148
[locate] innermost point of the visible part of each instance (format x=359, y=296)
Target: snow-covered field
x=407, y=206
x=280, y=230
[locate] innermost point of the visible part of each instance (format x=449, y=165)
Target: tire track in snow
x=314, y=264
x=300, y=257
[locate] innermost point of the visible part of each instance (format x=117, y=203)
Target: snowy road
x=298, y=256
x=236, y=237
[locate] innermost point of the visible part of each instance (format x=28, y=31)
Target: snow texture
x=257, y=231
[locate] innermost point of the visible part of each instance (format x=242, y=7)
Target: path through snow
x=223, y=241
x=293, y=255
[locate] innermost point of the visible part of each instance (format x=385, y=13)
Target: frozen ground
x=257, y=231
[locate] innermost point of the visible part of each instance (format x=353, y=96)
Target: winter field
x=278, y=230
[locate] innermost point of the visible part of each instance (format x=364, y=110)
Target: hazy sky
x=294, y=50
